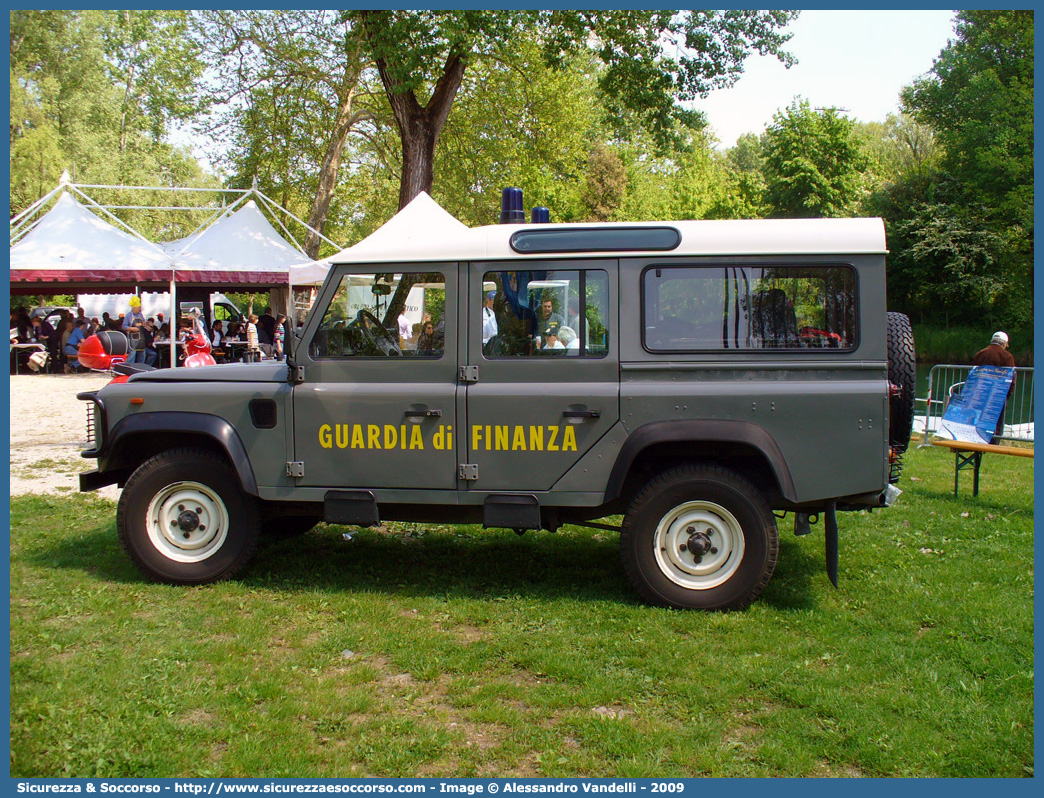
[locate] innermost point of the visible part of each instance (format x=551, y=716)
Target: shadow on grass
x=464, y=562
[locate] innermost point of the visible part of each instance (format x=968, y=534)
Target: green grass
x=482, y=653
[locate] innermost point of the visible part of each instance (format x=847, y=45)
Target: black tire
x=287, y=526
x=686, y=501
x=902, y=374
x=184, y=520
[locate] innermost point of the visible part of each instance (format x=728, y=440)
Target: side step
x=511, y=511
x=355, y=507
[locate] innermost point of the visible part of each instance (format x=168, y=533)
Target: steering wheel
x=376, y=339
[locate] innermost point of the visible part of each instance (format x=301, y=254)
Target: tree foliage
x=652, y=62
x=290, y=90
x=95, y=92
x=813, y=163
x=968, y=229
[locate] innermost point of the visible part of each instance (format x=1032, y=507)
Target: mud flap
x=830, y=525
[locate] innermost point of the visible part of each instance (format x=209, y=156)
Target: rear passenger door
x=536, y=403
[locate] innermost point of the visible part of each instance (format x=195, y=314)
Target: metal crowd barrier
x=942, y=379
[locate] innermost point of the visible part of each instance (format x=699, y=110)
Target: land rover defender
x=695, y=377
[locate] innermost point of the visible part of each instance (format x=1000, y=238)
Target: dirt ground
x=48, y=431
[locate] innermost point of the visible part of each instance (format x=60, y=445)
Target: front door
x=545, y=346
x=377, y=407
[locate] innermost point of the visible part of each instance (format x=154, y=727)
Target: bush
x=958, y=344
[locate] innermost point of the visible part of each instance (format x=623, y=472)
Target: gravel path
x=48, y=431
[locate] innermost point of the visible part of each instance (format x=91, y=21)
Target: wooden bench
x=970, y=454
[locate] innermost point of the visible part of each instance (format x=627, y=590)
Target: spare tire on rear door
x=902, y=374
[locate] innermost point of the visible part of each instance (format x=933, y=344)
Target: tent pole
x=173, y=323
x=307, y=226
x=36, y=205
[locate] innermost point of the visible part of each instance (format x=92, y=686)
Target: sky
x=858, y=60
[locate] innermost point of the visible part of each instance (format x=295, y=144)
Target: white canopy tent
x=422, y=223
x=70, y=247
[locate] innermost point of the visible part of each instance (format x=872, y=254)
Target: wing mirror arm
x=295, y=372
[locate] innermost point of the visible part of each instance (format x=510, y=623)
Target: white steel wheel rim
x=708, y=569
x=187, y=522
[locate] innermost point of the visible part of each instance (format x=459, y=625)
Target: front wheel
x=699, y=537
x=184, y=520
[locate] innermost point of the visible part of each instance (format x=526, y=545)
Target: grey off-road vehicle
x=695, y=377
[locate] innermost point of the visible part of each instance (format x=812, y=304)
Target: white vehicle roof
x=423, y=231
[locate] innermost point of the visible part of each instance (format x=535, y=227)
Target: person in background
x=43, y=333
x=426, y=343
x=997, y=354
x=148, y=333
x=278, y=335
x=405, y=329
x=253, y=353
x=266, y=331
x=489, y=318
x=217, y=337
x=71, y=348
x=568, y=338
x=551, y=341
x=132, y=324
x=22, y=323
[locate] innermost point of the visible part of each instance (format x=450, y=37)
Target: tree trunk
x=328, y=175
x=420, y=126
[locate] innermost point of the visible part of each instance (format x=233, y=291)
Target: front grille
x=90, y=426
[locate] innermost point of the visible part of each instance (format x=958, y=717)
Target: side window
x=712, y=308
x=384, y=315
x=560, y=313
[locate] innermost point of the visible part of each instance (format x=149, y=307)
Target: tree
x=606, y=184
x=975, y=224
x=289, y=83
x=94, y=92
x=652, y=62
x=813, y=163
x=518, y=123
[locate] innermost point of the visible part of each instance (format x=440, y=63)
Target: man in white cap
x=996, y=354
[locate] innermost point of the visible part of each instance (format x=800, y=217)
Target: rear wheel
x=699, y=537
x=183, y=518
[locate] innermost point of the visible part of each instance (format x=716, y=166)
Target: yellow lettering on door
x=536, y=439
x=569, y=440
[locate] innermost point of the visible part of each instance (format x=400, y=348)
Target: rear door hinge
x=295, y=469
x=469, y=373
x=468, y=472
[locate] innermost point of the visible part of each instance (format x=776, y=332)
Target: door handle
x=423, y=414
x=581, y=414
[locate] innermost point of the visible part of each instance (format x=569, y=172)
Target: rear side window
x=717, y=308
